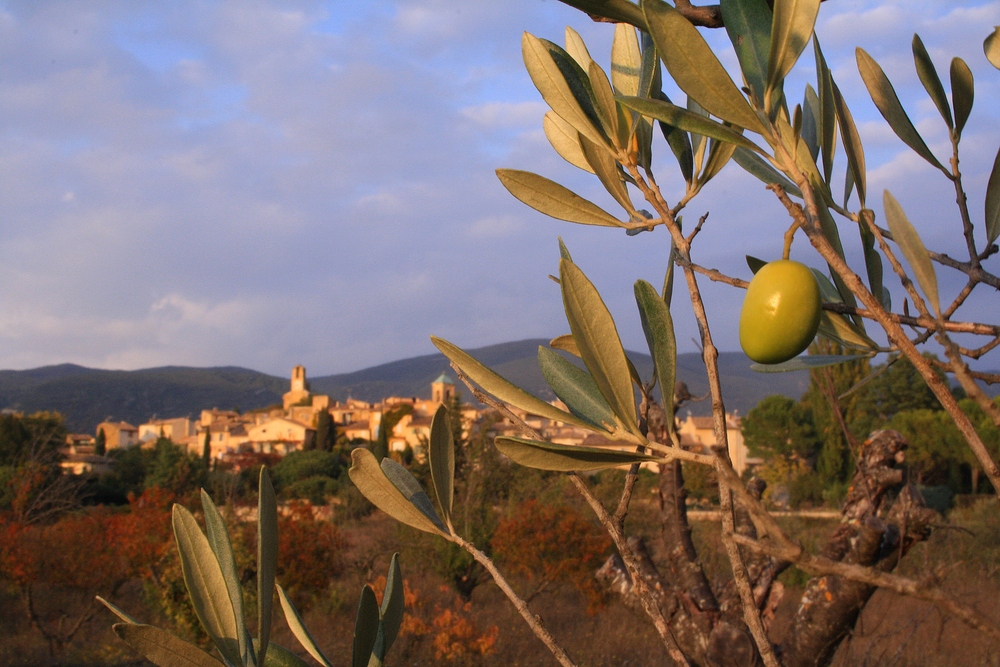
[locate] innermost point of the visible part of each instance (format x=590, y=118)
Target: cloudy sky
x=263, y=184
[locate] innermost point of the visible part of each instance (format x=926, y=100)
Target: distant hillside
x=88, y=396
x=518, y=362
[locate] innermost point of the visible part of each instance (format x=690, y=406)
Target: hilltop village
x=224, y=434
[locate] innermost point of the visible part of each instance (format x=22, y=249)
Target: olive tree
x=604, y=124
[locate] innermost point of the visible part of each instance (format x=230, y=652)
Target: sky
x=265, y=184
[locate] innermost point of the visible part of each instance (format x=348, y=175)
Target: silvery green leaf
x=791, y=30
x=806, y=362
x=748, y=23
x=626, y=60
x=560, y=86
x=501, y=388
x=373, y=484
x=991, y=47
x=391, y=611
x=888, y=104
x=694, y=66
x=206, y=584
x=658, y=327
x=757, y=166
x=993, y=202
x=852, y=144
x=163, y=648
x=962, y=93
x=565, y=140
x=576, y=388
x=299, y=628
x=576, y=48
x=906, y=237
x=441, y=460
x=408, y=485
x=554, y=200
x=929, y=77
x=365, y=627
x=689, y=121
x=597, y=338
x=218, y=539
x=565, y=458
x=267, y=559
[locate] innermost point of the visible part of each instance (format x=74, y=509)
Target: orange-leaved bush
x=551, y=545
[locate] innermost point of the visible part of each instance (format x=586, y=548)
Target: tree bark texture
x=881, y=519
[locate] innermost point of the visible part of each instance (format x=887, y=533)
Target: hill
x=87, y=396
x=518, y=362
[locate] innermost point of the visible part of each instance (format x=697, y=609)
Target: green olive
x=780, y=313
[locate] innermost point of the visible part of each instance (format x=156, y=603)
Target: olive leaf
x=576, y=388
x=756, y=265
x=365, y=628
x=554, y=200
x=962, y=92
x=906, y=237
x=790, y=32
x=576, y=48
x=811, y=120
x=565, y=140
x=873, y=260
x=299, y=629
x=993, y=202
x=884, y=96
x=373, y=484
x=568, y=97
x=116, y=611
x=852, y=143
x=757, y=166
x=929, y=77
x=806, y=362
x=163, y=648
x=607, y=172
x=408, y=485
x=267, y=558
x=566, y=343
x=626, y=61
x=658, y=327
x=617, y=11
x=695, y=68
x=565, y=458
x=604, y=96
x=991, y=47
x=748, y=23
x=501, y=388
x=597, y=338
x=206, y=584
x=441, y=460
x=391, y=611
x=828, y=112
x=689, y=121
x=218, y=539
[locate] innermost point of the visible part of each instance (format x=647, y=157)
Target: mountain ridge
x=87, y=396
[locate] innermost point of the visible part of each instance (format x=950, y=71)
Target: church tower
x=443, y=389
x=299, y=388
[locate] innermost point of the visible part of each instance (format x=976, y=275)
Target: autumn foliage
x=552, y=545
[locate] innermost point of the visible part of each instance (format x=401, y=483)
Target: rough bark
x=881, y=519
x=878, y=528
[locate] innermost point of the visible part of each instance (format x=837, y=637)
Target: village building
x=177, y=429
x=118, y=434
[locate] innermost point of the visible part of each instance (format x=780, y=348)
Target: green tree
x=206, y=448
x=899, y=387
x=780, y=427
x=100, y=443
x=326, y=431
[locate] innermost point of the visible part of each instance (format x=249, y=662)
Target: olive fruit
x=781, y=312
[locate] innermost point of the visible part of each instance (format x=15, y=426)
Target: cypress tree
x=101, y=443
x=206, y=448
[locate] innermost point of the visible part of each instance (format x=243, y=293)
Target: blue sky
x=264, y=184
